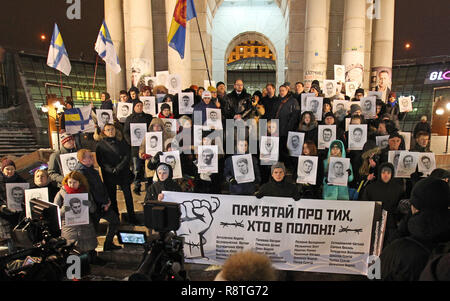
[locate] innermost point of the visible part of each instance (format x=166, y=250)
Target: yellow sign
x=88, y=95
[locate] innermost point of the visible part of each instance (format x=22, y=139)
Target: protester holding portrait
x=164, y=182
x=55, y=170
x=42, y=180
x=278, y=186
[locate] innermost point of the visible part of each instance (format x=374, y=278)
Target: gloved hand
x=115, y=172
x=233, y=181
x=6, y=211
x=258, y=195
x=145, y=156
x=349, y=172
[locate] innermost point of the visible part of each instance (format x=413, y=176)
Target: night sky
x=425, y=24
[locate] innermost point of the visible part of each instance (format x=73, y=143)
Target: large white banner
x=307, y=235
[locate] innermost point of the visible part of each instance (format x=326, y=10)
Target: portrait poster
x=269, y=150
x=149, y=103
x=243, y=168
x=393, y=158
x=307, y=169
x=368, y=107
x=327, y=134
x=350, y=89
x=124, y=109
x=208, y=159
x=173, y=159
x=407, y=164
x=198, y=134
x=295, y=143
x=340, y=108
x=339, y=73
x=186, y=103
x=357, y=136
x=170, y=125
x=174, y=84
x=153, y=143
x=329, y=88
x=314, y=104
x=214, y=118
x=137, y=133
x=405, y=104
x=140, y=70
x=407, y=138
x=303, y=97
x=382, y=141
x=36, y=193
x=162, y=78
x=104, y=117
x=15, y=195
x=426, y=163
x=354, y=67
x=76, y=208
x=347, y=123
x=69, y=162
x=337, y=171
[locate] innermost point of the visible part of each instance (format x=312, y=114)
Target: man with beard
x=236, y=102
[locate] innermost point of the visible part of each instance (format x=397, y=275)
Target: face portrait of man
x=340, y=108
x=396, y=158
x=186, y=101
x=213, y=116
x=405, y=103
x=168, y=126
x=338, y=169
x=207, y=156
x=153, y=142
x=173, y=82
x=314, y=105
x=307, y=167
x=242, y=166
x=71, y=163
x=408, y=162
x=367, y=106
x=339, y=72
x=171, y=161
x=147, y=105
x=426, y=162
x=330, y=88
x=269, y=146
x=383, y=80
x=295, y=142
x=18, y=194
x=125, y=110
x=138, y=133
x=75, y=206
x=105, y=118
x=357, y=135
x=327, y=133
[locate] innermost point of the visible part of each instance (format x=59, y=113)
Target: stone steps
x=16, y=139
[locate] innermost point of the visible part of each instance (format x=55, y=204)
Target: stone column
x=383, y=39
x=316, y=41
x=114, y=21
x=353, y=40
x=139, y=40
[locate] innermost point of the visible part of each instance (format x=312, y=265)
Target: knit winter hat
x=135, y=102
x=278, y=165
x=206, y=94
x=164, y=168
x=64, y=137
x=359, y=90
x=165, y=106
x=7, y=162
x=328, y=114
x=395, y=134
x=430, y=194
x=354, y=107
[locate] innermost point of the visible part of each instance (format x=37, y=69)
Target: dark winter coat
x=269, y=104
x=107, y=105
x=113, y=157
x=405, y=258
x=96, y=186
x=279, y=189
x=236, y=103
x=244, y=188
x=311, y=130
x=11, y=219
x=135, y=118
x=55, y=171
x=202, y=106
x=286, y=110
x=157, y=187
x=52, y=189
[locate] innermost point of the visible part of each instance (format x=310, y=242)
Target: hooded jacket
x=334, y=192
x=157, y=187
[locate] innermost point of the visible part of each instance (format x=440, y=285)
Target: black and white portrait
x=426, y=163
x=124, y=109
x=314, y=104
x=76, y=208
x=174, y=84
x=186, y=102
x=170, y=125
x=208, y=158
x=68, y=162
x=307, y=169
x=36, y=193
x=169, y=103
x=407, y=163
x=214, y=118
x=149, y=103
x=327, y=133
x=303, y=98
x=337, y=171
x=162, y=78
x=350, y=89
x=243, y=168
x=269, y=150
x=340, y=108
x=357, y=136
x=104, y=117
x=339, y=73
x=382, y=141
x=407, y=137
x=15, y=195
x=137, y=133
x=405, y=104
x=393, y=158
x=173, y=159
x=153, y=143
x=295, y=143
x=368, y=107
x=329, y=88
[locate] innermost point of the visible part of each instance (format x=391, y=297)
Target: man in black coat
x=269, y=102
x=113, y=157
x=278, y=186
x=236, y=102
x=138, y=116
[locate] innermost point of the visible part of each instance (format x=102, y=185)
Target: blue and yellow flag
x=105, y=48
x=79, y=120
x=57, y=55
x=184, y=11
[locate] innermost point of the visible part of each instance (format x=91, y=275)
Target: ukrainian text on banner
x=308, y=235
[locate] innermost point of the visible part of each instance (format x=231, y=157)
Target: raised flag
x=105, y=48
x=79, y=120
x=57, y=55
x=184, y=11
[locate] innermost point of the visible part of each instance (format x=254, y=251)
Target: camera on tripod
x=163, y=257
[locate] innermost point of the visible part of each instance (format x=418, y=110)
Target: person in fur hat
x=165, y=183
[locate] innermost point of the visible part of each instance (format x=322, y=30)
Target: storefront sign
x=438, y=76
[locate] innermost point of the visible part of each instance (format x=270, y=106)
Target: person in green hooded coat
x=334, y=192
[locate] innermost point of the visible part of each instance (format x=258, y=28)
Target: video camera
x=45, y=253
x=163, y=257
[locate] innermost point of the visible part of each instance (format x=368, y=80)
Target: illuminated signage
x=437, y=76
x=88, y=95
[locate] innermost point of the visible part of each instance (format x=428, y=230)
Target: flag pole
x=203, y=49
x=61, y=82
x=95, y=72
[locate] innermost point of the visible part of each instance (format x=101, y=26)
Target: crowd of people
x=417, y=206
